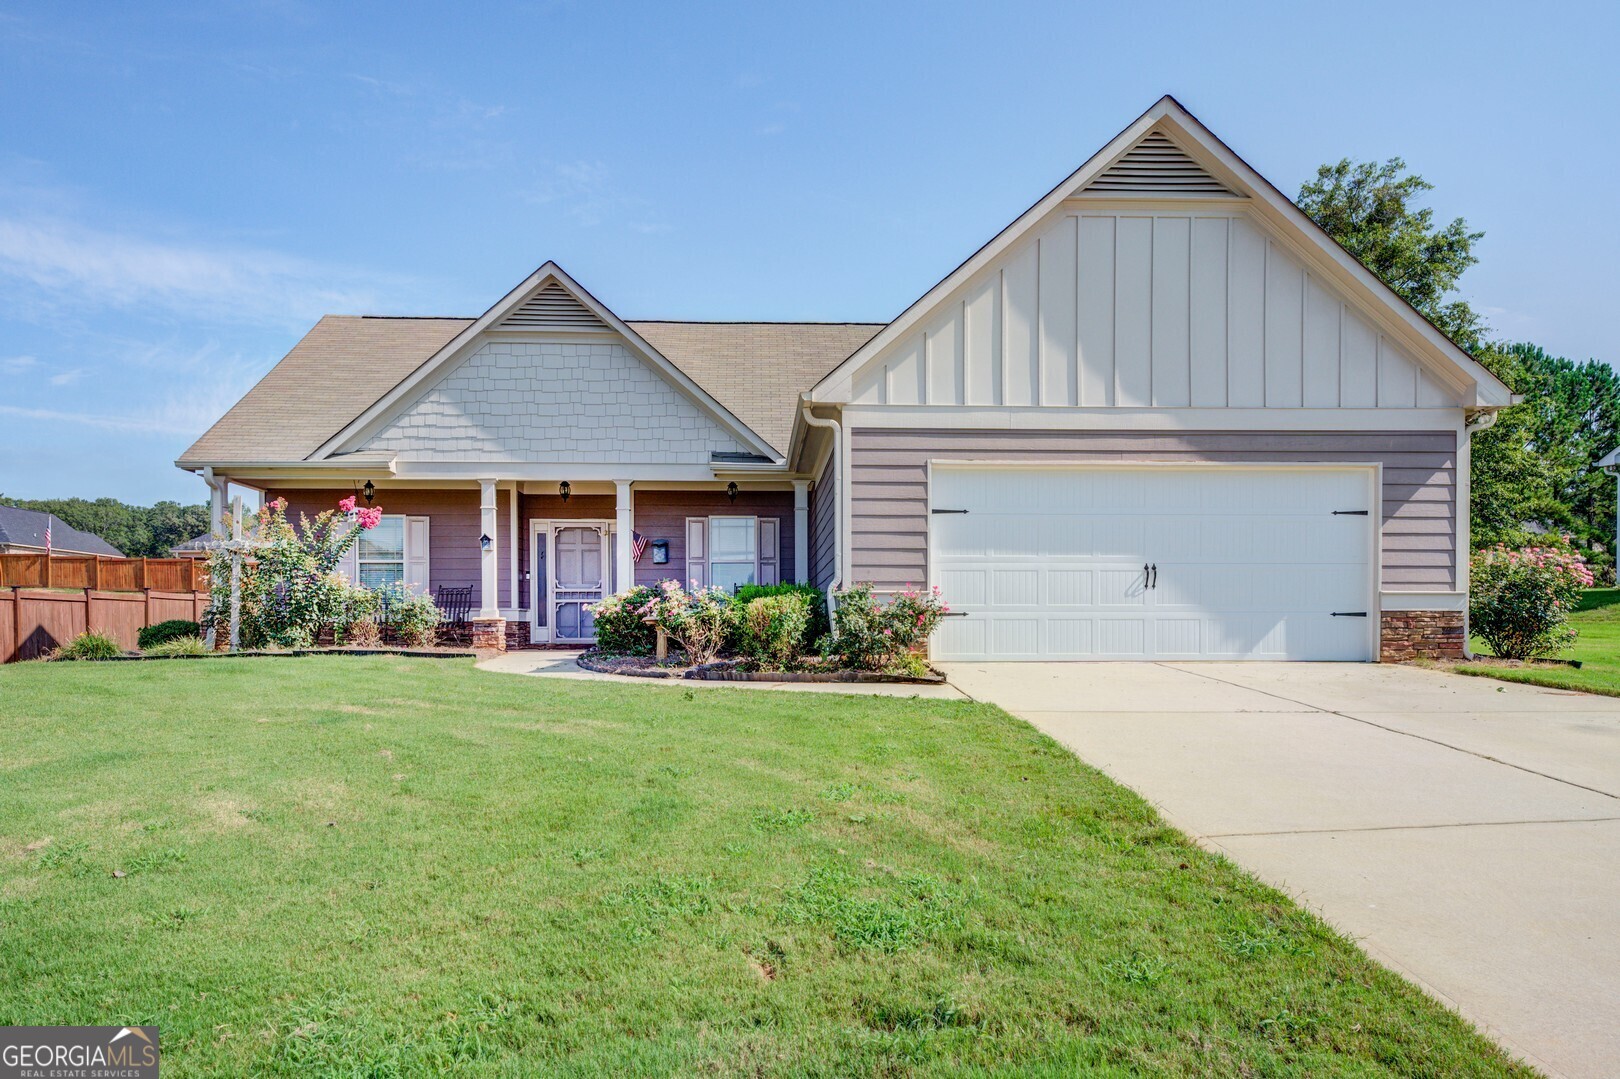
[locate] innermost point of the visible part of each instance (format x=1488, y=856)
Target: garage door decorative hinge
x=947, y=511
x=1349, y=614
x=1349, y=513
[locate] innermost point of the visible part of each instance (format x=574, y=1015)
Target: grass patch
x=498, y=875
x=1598, y=649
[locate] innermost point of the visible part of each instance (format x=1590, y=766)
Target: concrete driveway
x=1466, y=831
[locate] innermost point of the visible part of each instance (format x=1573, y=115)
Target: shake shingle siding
x=1419, y=512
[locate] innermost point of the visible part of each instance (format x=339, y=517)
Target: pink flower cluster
x=346, y=505
x=1547, y=558
x=369, y=517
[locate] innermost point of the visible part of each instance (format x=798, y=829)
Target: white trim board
x=1422, y=601
x=1113, y=418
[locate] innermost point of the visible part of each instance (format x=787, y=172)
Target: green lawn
x=385, y=866
x=1598, y=649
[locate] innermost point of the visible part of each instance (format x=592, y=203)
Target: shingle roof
x=757, y=369
x=345, y=363
x=26, y=528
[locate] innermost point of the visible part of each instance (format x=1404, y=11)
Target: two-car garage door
x=1153, y=562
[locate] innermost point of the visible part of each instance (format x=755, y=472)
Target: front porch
x=537, y=554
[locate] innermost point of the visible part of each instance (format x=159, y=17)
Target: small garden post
x=236, y=573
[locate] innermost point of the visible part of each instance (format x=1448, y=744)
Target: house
x=1159, y=415
x=23, y=532
x=195, y=547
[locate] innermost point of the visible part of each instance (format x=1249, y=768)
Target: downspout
x=838, y=539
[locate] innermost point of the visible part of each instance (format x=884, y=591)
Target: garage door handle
x=947, y=511
x=1349, y=614
x=954, y=614
x=1349, y=513
x=1155, y=575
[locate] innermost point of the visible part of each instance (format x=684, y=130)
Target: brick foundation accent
x=489, y=633
x=517, y=635
x=1420, y=635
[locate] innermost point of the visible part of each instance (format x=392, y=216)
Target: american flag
x=47, y=536
x=638, y=544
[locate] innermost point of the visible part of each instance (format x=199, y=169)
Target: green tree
x=1371, y=209
x=138, y=531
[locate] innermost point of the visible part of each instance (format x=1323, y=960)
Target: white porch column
x=624, y=567
x=512, y=554
x=489, y=557
x=801, y=531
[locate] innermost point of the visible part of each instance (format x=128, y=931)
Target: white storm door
x=1153, y=562
x=578, y=567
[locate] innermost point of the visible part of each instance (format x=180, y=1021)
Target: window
x=733, y=552
x=381, y=553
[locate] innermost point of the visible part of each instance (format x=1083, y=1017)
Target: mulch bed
x=728, y=670
x=411, y=653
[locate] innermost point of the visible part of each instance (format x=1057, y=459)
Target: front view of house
x=1161, y=415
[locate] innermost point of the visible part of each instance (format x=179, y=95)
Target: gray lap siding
x=661, y=515
x=824, y=524
x=889, y=485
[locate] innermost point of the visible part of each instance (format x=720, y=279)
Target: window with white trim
x=733, y=552
x=381, y=552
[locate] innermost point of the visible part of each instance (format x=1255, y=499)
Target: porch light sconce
x=483, y=542
x=731, y=491
x=563, y=489
x=370, y=491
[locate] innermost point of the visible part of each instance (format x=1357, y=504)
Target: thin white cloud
x=63, y=263
x=67, y=378
x=586, y=192
x=16, y=365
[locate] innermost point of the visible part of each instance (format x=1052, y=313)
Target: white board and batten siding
x=1149, y=309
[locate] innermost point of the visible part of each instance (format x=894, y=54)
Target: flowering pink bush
x=1520, y=599
x=699, y=621
x=871, y=636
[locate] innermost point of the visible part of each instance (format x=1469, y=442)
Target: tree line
x=1535, y=477
x=138, y=531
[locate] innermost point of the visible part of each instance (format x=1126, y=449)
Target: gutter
x=838, y=542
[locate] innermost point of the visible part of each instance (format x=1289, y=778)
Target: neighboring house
x=23, y=532
x=1160, y=415
x=195, y=547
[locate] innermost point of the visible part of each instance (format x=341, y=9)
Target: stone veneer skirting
x=1406, y=635
x=517, y=634
x=489, y=633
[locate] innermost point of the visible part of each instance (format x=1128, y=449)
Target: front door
x=578, y=567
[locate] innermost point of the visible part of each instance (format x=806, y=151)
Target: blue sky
x=183, y=192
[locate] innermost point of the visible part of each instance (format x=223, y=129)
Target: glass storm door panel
x=577, y=578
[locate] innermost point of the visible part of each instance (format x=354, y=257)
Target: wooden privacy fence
x=46, y=602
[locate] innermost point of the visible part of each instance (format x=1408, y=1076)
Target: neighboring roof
x=756, y=370
x=193, y=545
x=26, y=528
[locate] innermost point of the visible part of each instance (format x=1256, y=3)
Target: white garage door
x=1153, y=562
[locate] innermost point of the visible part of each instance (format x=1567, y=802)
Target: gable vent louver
x=1157, y=166
x=553, y=308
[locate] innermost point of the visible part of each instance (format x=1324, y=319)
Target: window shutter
x=349, y=564
x=697, y=551
x=769, y=550
x=416, y=555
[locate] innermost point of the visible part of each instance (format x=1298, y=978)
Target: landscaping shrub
x=700, y=621
x=178, y=646
x=872, y=636
x=621, y=623
x=771, y=629
x=172, y=630
x=89, y=646
x=291, y=590
x=815, y=597
x=1520, y=600
x=412, y=616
